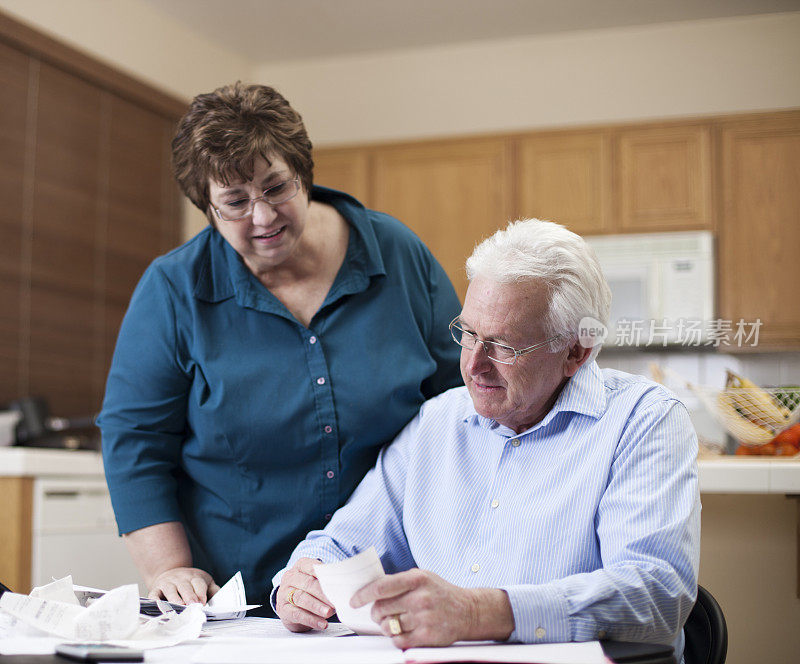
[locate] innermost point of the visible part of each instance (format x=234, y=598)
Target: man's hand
x=429, y=611
x=183, y=585
x=301, y=605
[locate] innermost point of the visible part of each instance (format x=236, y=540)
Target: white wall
x=677, y=69
x=136, y=39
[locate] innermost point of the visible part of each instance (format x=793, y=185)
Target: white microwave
x=662, y=287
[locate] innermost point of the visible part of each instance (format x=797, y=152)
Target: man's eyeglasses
x=242, y=208
x=494, y=351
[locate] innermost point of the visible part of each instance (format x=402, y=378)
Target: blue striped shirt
x=589, y=520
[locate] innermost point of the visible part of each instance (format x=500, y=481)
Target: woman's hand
x=301, y=605
x=419, y=608
x=183, y=585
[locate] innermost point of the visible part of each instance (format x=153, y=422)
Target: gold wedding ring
x=290, y=596
x=394, y=626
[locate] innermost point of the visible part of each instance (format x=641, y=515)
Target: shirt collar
x=223, y=275
x=584, y=393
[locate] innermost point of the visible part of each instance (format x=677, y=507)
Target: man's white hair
x=532, y=249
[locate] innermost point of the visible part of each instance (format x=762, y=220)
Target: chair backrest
x=706, y=631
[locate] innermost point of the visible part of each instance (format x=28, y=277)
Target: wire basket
x=752, y=415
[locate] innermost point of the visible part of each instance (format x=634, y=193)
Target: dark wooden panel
x=14, y=75
x=67, y=211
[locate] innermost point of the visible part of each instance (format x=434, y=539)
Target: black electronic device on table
x=98, y=652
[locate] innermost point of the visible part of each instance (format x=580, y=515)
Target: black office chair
x=706, y=631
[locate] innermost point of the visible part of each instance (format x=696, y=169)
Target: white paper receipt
x=340, y=581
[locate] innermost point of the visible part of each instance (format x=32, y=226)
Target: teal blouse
x=224, y=412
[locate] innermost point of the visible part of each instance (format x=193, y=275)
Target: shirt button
x=540, y=633
x=328, y=428
x=320, y=381
x=330, y=474
x=312, y=340
x=515, y=442
x=495, y=503
x=328, y=516
x=475, y=567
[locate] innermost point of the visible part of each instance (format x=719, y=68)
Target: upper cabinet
x=450, y=193
x=566, y=177
x=736, y=176
x=346, y=169
x=759, y=230
x=663, y=178
x=642, y=178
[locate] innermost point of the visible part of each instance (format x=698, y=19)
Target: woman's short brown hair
x=224, y=131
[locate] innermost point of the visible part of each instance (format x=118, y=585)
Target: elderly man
x=546, y=500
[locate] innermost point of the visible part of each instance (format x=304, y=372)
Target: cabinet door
x=343, y=169
x=664, y=178
x=759, y=234
x=451, y=194
x=566, y=178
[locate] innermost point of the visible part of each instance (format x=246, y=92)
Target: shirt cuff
x=540, y=614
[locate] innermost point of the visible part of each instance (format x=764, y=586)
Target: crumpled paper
x=114, y=618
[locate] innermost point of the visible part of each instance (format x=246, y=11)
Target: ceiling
x=278, y=30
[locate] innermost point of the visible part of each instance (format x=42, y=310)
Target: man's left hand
x=429, y=611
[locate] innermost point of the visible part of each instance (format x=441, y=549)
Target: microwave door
x=630, y=303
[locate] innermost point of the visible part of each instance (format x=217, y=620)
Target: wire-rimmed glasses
x=494, y=351
x=242, y=208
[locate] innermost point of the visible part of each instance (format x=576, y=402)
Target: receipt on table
x=112, y=618
x=341, y=580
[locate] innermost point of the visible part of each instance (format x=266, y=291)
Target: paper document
x=340, y=581
x=589, y=652
x=260, y=628
x=112, y=618
x=299, y=650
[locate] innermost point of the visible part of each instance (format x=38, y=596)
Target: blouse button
x=312, y=340
x=320, y=381
x=330, y=474
x=328, y=428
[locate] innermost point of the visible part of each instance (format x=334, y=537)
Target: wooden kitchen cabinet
x=664, y=178
x=759, y=230
x=450, y=193
x=16, y=518
x=345, y=169
x=566, y=177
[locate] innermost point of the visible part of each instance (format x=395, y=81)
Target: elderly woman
x=261, y=366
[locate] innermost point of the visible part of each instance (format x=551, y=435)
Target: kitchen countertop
x=717, y=475
x=38, y=462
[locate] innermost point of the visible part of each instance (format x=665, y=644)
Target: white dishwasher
x=74, y=532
